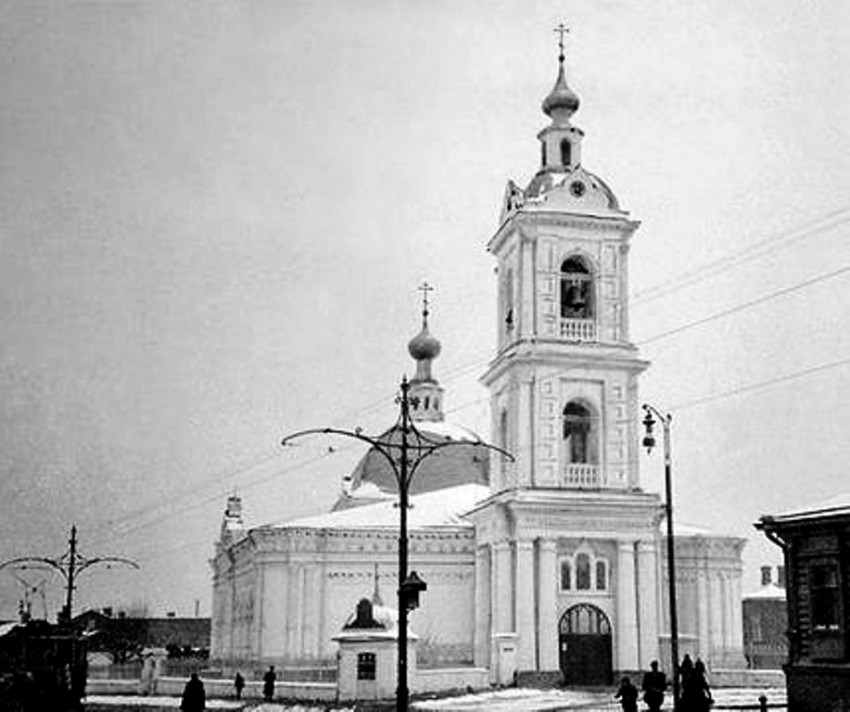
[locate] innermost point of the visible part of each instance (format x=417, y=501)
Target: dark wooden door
x=585, y=646
x=586, y=659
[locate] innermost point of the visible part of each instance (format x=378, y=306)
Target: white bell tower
x=567, y=532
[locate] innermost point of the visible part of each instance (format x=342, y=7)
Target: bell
x=575, y=299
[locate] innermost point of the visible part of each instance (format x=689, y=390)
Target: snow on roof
x=6, y=628
x=439, y=508
x=770, y=592
x=447, y=430
x=683, y=529
x=834, y=506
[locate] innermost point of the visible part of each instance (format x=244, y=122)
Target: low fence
x=173, y=687
x=442, y=679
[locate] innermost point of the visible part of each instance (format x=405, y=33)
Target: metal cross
x=425, y=288
x=561, y=29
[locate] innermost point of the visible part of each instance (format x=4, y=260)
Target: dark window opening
x=543, y=154
x=826, y=596
x=583, y=572
x=566, y=152
x=576, y=290
x=366, y=666
x=601, y=576
x=579, y=436
x=566, y=576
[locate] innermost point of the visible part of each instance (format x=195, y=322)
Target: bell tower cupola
x=426, y=395
x=563, y=382
x=560, y=142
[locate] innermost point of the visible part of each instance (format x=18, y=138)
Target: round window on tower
x=577, y=188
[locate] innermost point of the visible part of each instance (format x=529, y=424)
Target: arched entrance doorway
x=585, y=646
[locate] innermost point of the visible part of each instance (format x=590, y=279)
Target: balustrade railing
x=581, y=475
x=578, y=329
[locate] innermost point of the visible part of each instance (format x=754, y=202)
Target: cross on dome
x=425, y=288
x=562, y=30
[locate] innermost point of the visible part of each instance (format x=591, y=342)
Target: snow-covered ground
x=525, y=700
x=510, y=700
x=162, y=702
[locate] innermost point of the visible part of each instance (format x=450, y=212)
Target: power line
x=763, y=247
x=761, y=384
x=746, y=305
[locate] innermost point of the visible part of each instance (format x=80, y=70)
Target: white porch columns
x=483, y=586
x=524, y=600
x=647, y=565
x=627, y=642
x=547, y=635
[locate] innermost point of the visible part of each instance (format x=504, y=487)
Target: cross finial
x=425, y=288
x=562, y=30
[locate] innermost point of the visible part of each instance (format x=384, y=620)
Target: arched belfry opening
x=579, y=432
x=584, y=636
x=580, y=445
x=576, y=289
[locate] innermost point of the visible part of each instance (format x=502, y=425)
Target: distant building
x=124, y=636
x=766, y=623
x=816, y=543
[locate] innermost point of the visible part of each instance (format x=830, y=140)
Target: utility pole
x=404, y=448
x=71, y=564
x=649, y=443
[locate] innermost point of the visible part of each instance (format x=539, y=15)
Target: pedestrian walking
x=194, y=698
x=239, y=684
x=268, y=684
x=627, y=693
x=696, y=695
x=654, y=685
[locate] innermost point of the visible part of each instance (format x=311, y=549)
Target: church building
x=547, y=566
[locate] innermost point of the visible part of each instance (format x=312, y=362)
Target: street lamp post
x=71, y=564
x=404, y=448
x=649, y=443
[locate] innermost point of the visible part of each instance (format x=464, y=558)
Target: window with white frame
x=584, y=571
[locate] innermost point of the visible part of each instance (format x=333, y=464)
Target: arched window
x=566, y=575
x=566, y=152
x=579, y=435
x=543, y=154
x=576, y=289
x=583, y=572
x=601, y=576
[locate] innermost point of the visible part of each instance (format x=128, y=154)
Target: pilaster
x=524, y=599
x=647, y=564
x=547, y=635
x=483, y=587
x=502, y=591
x=627, y=641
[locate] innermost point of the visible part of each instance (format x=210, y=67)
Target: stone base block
x=540, y=679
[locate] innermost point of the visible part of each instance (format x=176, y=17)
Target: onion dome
x=562, y=102
x=423, y=346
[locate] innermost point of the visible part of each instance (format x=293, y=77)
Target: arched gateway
x=585, y=645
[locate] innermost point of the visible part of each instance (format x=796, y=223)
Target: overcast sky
x=214, y=217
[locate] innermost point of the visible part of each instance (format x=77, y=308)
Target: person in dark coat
x=654, y=685
x=239, y=684
x=696, y=695
x=627, y=693
x=194, y=697
x=268, y=684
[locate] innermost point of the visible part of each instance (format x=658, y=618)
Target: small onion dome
x=423, y=346
x=561, y=98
